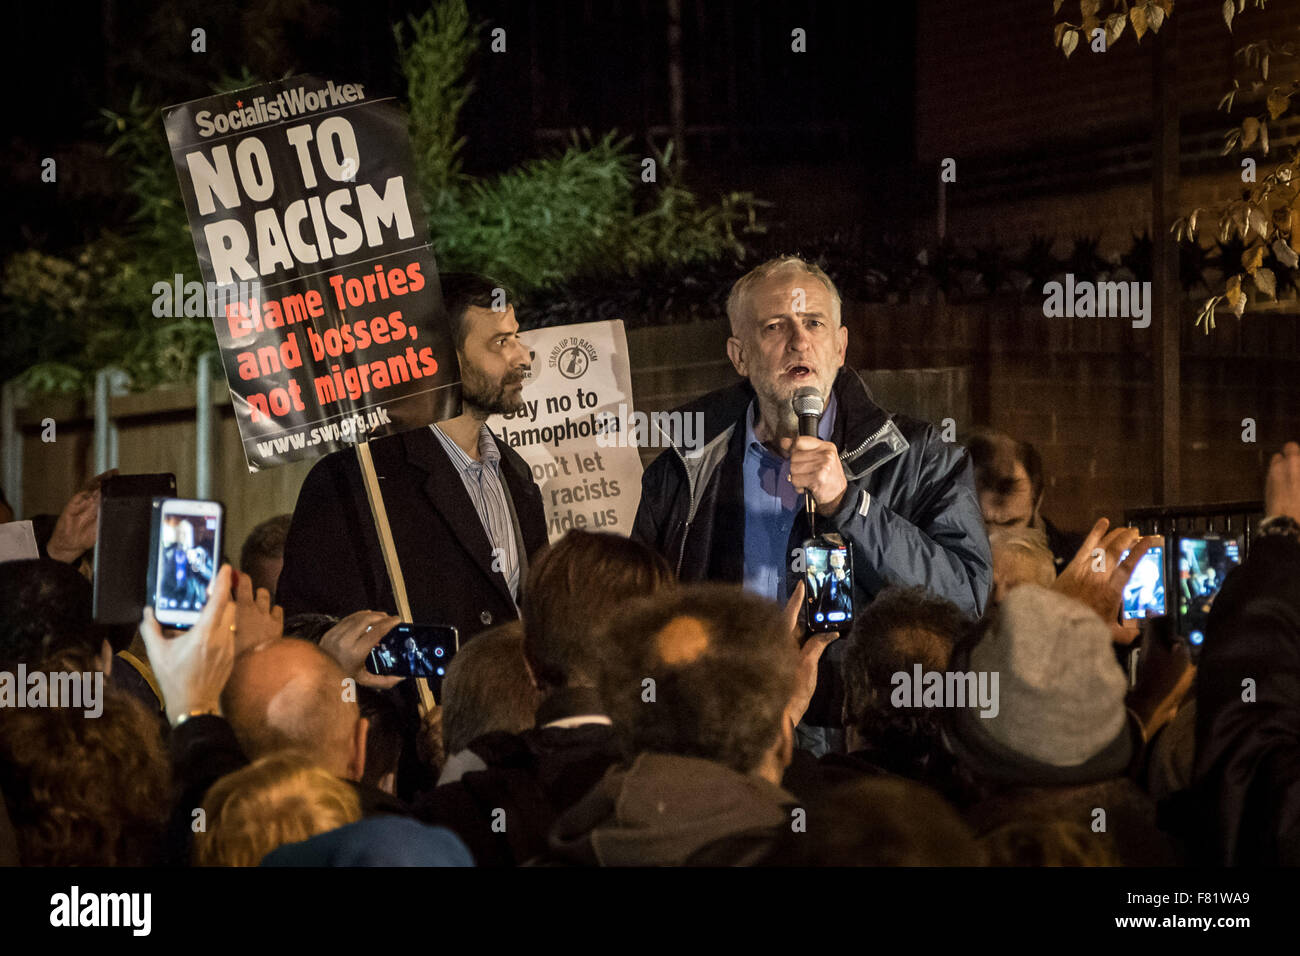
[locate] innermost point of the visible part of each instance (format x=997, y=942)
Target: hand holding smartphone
x=185, y=548
x=415, y=650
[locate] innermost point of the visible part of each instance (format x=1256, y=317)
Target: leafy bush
x=580, y=214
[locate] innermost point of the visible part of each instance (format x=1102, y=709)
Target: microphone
x=808, y=405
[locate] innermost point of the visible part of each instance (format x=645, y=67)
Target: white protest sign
x=580, y=379
x=18, y=541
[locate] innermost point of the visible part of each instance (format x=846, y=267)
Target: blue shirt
x=482, y=480
x=771, y=504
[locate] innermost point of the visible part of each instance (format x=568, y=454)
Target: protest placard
x=319, y=277
x=580, y=382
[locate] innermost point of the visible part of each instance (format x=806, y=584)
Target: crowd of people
x=658, y=700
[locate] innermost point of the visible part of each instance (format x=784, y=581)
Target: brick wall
x=1082, y=390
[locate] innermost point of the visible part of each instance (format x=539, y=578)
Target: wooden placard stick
x=389, y=549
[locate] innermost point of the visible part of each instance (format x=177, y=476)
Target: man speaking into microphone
x=733, y=508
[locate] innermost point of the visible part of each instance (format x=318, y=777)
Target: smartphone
x=415, y=650
x=185, y=551
x=1203, y=563
x=1145, y=590
x=121, y=562
x=828, y=583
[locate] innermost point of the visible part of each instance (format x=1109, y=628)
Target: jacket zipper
x=690, y=513
x=867, y=441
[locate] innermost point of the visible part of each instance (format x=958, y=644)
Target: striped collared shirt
x=483, y=482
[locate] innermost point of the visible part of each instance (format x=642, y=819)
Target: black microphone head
x=808, y=401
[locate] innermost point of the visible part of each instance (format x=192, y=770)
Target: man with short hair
x=462, y=505
x=488, y=691
x=1009, y=481
x=575, y=588
x=902, y=629
x=290, y=694
x=698, y=693
x=262, y=556
x=733, y=510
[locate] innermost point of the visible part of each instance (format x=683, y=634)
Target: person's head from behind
x=1008, y=479
x=1020, y=556
x=786, y=332
x=879, y=821
x=702, y=671
x=493, y=359
x=1060, y=717
x=282, y=797
x=85, y=791
x=1042, y=842
x=45, y=613
x=384, y=737
x=575, y=586
x=901, y=628
x=262, y=555
x=291, y=694
x=487, y=688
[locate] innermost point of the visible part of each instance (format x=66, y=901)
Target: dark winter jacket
x=666, y=810
x=1247, y=766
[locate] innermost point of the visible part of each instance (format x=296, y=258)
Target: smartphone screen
x=1145, y=591
x=1203, y=563
x=828, y=584
x=415, y=650
x=186, y=551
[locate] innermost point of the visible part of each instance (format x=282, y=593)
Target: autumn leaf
x=1070, y=41
x=1285, y=254
x=1277, y=103
x=1155, y=17
x=1282, y=219
x=1229, y=11
x=1115, y=24
x=1249, y=131
x=1266, y=282
x=1138, y=17
x=1089, y=8
x=1233, y=295
x=1058, y=33
x=1166, y=5
x=1263, y=137
x=1255, y=220
x=1253, y=258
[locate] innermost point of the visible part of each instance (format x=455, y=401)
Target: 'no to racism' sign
x=321, y=283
